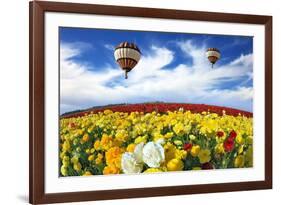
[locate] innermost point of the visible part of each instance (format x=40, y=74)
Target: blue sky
x=173, y=68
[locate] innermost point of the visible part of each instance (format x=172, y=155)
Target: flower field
x=115, y=141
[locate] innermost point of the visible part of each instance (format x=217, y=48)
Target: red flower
x=220, y=134
x=187, y=146
x=232, y=135
x=207, y=165
x=228, y=145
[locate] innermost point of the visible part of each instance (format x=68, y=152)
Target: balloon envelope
x=213, y=54
x=127, y=56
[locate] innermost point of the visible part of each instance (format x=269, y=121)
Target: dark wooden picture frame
x=37, y=98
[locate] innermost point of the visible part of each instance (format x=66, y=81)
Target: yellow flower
x=170, y=151
x=99, y=158
x=239, y=161
x=157, y=136
x=178, y=128
x=66, y=146
x=131, y=147
x=79, y=132
x=180, y=154
x=168, y=135
x=239, y=139
x=241, y=149
x=85, y=138
x=87, y=173
x=77, y=167
x=140, y=139
x=219, y=149
x=153, y=170
x=204, y=156
x=175, y=165
x=63, y=170
x=111, y=170
x=75, y=159
x=195, y=150
x=65, y=158
x=90, y=129
x=65, y=161
x=91, y=158
x=97, y=145
x=62, y=154
x=208, y=126
x=121, y=135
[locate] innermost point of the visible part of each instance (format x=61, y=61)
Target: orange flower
x=113, y=156
x=106, y=141
x=111, y=170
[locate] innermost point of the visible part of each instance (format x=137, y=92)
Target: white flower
x=153, y=154
x=129, y=164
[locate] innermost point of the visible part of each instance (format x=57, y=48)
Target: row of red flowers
x=161, y=108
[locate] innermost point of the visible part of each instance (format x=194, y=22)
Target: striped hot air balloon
x=213, y=54
x=127, y=56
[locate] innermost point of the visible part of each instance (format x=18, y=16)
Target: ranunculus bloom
x=129, y=164
x=228, y=145
x=204, y=156
x=153, y=154
x=220, y=134
x=187, y=146
x=175, y=165
x=195, y=150
x=232, y=135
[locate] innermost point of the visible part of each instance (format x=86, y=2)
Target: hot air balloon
x=127, y=56
x=213, y=54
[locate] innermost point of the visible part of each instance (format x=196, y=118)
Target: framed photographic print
x=138, y=102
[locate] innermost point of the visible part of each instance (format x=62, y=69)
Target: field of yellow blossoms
x=118, y=142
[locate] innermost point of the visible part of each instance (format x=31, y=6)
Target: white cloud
x=109, y=47
x=69, y=50
x=150, y=80
x=151, y=66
